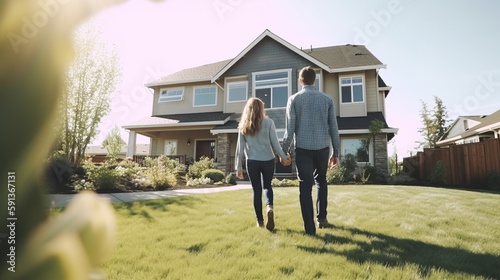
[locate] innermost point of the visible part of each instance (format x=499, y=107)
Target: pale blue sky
x=446, y=48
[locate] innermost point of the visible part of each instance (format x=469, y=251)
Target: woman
x=256, y=140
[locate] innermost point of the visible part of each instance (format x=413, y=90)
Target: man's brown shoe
x=260, y=223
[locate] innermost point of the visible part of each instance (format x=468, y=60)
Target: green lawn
x=381, y=232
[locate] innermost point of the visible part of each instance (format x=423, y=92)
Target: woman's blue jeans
x=261, y=174
x=311, y=170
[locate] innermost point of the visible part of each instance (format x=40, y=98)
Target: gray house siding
x=265, y=56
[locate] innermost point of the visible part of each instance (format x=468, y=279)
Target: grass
x=381, y=232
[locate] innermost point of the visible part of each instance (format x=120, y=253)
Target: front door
x=205, y=148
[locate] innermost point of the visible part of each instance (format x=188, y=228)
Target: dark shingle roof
x=333, y=57
x=200, y=73
x=345, y=56
x=346, y=123
x=196, y=117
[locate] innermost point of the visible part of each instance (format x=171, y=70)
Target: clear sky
x=445, y=48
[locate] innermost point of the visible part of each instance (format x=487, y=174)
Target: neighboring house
x=471, y=129
x=99, y=153
x=196, y=110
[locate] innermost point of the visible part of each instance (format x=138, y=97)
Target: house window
x=237, y=91
x=205, y=96
x=272, y=87
x=171, y=94
x=358, y=148
x=170, y=147
x=351, y=89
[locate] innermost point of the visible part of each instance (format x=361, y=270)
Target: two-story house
x=196, y=110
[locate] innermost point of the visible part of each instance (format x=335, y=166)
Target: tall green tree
x=435, y=123
x=113, y=142
x=90, y=81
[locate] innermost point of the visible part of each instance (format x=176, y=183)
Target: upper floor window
x=205, y=96
x=171, y=94
x=351, y=89
x=237, y=91
x=272, y=87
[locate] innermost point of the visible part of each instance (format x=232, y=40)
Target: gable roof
x=487, y=123
x=332, y=59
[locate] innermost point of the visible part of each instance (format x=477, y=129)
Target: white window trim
x=208, y=86
x=254, y=88
x=234, y=83
x=362, y=75
x=168, y=89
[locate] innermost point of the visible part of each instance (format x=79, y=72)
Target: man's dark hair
x=307, y=75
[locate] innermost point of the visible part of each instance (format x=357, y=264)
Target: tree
x=90, y=80
x=113, y=142
x=435, y=123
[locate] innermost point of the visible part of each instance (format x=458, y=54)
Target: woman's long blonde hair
x=252, y=116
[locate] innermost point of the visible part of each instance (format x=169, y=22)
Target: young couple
x=312, y=124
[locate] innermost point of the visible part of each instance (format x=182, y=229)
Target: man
x=311, y=120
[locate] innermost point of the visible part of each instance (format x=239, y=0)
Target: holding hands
x=287, y=161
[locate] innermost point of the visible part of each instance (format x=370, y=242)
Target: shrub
x=198, y=167
x=160, y=173
x=104, y=178
x=215, y=175
x=230, y=179
x=494, y=180
x=371, y=174
x=401, y=179
x=438, y=174
x=350, y=164
x=173, y=165
x=198, y=181
x=284, y=183
x=336, y=175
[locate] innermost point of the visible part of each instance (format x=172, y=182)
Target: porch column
x=132, y=137
x=380, y=154
x=223, y=153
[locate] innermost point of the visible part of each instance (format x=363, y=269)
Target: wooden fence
x=466, y=165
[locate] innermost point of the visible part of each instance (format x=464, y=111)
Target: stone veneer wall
x=381, y=161
x=223, y=153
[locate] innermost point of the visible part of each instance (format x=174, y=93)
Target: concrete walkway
x=61, y=200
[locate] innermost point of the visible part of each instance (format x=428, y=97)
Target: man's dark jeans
x=311, y=168
x=261, y=174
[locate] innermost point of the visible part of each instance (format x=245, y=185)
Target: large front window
x=205, y=96
x=356, y=147
x=351, y=89
x=272, y=87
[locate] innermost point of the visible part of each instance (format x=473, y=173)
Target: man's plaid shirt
x=311, y=120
